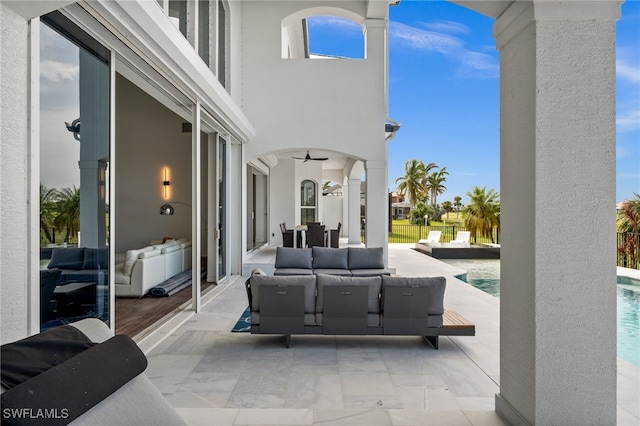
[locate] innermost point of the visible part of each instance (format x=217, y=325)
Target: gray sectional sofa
x=351, y=305
x=352, y=261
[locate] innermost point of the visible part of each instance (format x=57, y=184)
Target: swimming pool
x=485, y=275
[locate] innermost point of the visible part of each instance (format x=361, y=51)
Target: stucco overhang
x=33, y=9
x=144, y=27
x=491, y=8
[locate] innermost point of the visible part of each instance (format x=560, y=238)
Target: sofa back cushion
x=287, y=257
x=366, y=258
x=330, y=258
x=131, y=257
x=308, y=282
x=436, y=286
x=374, y=285
x=96, y=258
x=67, y=258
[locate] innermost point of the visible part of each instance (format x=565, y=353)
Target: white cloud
x=628, y=121
x=423, y=40
x=56, y=72
x=471, y=63
x=447, y=26
x=627, y=71
x=334, y=22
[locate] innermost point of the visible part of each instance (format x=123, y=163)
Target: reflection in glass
x=74, y=172
x=307, y=201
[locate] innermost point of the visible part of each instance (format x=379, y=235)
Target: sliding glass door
x=74, y=174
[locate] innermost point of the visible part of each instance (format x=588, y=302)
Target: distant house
x=400, y=209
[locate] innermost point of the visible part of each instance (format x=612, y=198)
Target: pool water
x=484, y=274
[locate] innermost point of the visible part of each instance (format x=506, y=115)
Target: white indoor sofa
x=145, y=268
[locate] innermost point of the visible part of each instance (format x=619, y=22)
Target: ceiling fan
x=309, y=157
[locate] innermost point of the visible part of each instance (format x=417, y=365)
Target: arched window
x=308, y=201
x=323, y=33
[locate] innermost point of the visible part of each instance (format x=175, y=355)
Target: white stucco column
x=94, y=148
x=558, y=276
x=353, y=211
x=377, y=205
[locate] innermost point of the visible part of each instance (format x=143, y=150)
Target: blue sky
x=444, y=90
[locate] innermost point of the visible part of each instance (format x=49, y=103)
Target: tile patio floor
x=215, y=377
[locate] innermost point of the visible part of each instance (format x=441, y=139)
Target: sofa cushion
x=292, y=271
x=369, y=272
x=308, y=282
x=366, y=258
x=96, y=258
x=131, y=257
x=67, y=258
x=33, y=355
x=169, y=243
x=341, y=272
x=436, y=286
x=330, y=258
x=287, y=257
x=150, y=253
x=83, y=385
x=373, y=283
x=170, y=249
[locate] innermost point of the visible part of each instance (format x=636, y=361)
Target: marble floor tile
x=428, y=418
x=209, y=416
x=352, y=417
x=265, y=417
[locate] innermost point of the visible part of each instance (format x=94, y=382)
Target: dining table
x=303, y=229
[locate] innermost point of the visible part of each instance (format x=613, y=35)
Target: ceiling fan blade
x=308, y=157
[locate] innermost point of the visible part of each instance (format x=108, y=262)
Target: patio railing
x=414, y=233
x=628, y=250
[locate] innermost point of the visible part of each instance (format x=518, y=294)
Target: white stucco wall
x=332, y=211
x=283, y=104
x=281, y=188
x=14, y=168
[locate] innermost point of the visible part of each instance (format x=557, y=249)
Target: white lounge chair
x=462, y=238
x=433, y=239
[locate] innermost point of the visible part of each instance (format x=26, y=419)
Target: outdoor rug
x=244, y=323
x=173, y=284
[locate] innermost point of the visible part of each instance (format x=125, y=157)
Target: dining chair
x=335, y=236
x=287, y=235
x=315, y=236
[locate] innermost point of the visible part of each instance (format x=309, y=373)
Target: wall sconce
x=166, y=183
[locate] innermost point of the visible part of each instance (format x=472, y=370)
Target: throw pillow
x=67, y=258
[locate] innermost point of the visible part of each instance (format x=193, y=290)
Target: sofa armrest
x=147, y=273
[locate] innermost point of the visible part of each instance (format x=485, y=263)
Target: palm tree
x=68, y=204
x=629, y=216
x=448, y=207
x=482, y=213
x=47, y=211
x=457, y=203
x=629, y=226
x=435, y=184
x=412, y=184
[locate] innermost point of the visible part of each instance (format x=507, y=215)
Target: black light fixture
x=166, y=209
x=74, y=128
